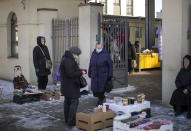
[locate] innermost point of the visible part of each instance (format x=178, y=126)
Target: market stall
x=23, y=92
x=136, y=107
x=140, y=123
x=147, y=60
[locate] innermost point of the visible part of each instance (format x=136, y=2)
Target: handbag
x=48, y=62
x=108, y=86
x=83, y=82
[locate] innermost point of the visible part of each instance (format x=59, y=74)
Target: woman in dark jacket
x=70, y=83
x=131, y=57
x=181, y=97
x=100, y=71
x=40, y=54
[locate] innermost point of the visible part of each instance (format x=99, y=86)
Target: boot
x=189, y=113
x=99, y=102
x=188, y=116
x=178, y=110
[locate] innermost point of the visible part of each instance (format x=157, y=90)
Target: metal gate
x=64, y=35
x=115, y=35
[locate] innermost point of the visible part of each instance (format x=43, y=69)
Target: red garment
x=122, y=37
x=152, y=126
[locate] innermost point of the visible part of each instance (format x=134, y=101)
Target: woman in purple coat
x=100, y=71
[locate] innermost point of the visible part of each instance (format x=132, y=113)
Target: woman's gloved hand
x=109, y=78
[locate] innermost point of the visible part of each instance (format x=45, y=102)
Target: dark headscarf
x=189, y=58
x=184, y=76
x=39, y=38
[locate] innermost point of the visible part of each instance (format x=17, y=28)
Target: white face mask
x=98, y=50
x=76, y=57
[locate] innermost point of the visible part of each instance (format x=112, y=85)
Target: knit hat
x=75, y=50
x=99, y=43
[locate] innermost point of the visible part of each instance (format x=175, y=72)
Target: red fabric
x=152, y=126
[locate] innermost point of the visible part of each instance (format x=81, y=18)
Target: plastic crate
x=148, y=61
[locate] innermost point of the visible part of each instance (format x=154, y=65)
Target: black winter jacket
x=39, y=60
x=131, y=52
x=183, y=81
x=70, y=76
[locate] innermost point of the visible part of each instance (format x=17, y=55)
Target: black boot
x=188, y=116
x=99, y=102
x=189, y=113
x=178, y=110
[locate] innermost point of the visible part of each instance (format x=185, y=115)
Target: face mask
x=43, y=43
x=98, y=50
x=76, y=57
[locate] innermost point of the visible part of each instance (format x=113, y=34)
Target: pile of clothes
x=32, y=89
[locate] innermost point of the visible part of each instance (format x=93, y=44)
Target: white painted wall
x=186, y=22
x=44, y=19
x=7, y=64
x=175, y=27
x=30, y=26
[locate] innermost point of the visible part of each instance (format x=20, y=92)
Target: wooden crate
x=94, y=121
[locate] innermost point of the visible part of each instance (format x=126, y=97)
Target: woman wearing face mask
x=100, y=70
x=181, y=97
x=70, y=83
x=40, y=54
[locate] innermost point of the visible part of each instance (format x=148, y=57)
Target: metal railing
x=65, y=33
x=115, y=39
x=116, y=34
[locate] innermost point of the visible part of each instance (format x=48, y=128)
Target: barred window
x=138, y=32
x=12, y=36
x=116, y=2
x=129, y=7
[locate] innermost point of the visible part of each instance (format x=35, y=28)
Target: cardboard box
x=48, y=97
x=56, y=96
x=94, y=121
x=4, y=101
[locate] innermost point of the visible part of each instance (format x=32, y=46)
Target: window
x=105, y=6
x=129, y=7
x=138, y=32
x=12, y=36
x=116, y=2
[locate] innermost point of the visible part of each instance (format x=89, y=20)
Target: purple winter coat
x=100, y=69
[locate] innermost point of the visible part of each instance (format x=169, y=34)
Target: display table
x=128, y=109
x=148, y=61
x=165, y=125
